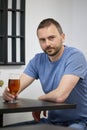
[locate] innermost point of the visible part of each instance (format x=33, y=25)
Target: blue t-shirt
x=50, y=73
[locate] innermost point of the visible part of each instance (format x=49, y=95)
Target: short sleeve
x=31, y=68
x=76, y=64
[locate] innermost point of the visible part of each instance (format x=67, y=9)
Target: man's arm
x=60, y=94
x=25, y=81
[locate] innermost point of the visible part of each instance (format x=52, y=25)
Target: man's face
x=50, y=40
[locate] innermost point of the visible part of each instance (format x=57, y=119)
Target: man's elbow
x=60, y=99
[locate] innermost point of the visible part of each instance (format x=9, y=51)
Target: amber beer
x=14, y=85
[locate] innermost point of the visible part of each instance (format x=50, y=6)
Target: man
x=62, y=71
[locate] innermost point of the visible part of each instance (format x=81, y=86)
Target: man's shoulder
x=40, y=55
x=70, y=49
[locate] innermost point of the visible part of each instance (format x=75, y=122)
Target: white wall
x=79, y=25
x=71, y=14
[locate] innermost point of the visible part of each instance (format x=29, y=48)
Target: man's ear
x=63, y=37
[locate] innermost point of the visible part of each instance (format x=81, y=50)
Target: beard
x=52, y=51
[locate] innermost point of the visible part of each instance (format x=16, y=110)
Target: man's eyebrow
x=52, y=35
x=41, y=38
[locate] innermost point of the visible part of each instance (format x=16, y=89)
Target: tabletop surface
x=26, y=105
x=37, y=127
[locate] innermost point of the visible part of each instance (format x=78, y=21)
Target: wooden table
x=37, y=127
x=29, y=105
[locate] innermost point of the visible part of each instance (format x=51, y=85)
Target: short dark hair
x=47, y=22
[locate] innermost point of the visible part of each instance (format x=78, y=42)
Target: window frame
x=4, y=36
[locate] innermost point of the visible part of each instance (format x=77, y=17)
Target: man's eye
x=51, y=38
x=42, y=40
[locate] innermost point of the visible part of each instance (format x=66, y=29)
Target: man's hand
x=7, y=96
x=36, y=115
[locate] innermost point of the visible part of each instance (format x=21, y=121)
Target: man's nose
x=47, y=42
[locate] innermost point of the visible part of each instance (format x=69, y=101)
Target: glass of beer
x=14, y=85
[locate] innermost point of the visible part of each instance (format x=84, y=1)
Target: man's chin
x=50, y=54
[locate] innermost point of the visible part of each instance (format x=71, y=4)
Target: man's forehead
x=50, y=30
